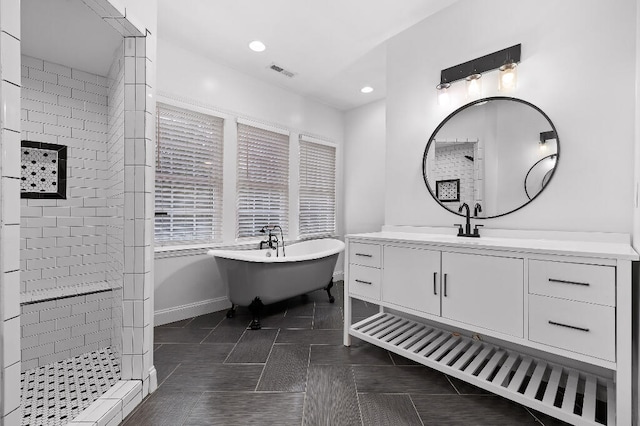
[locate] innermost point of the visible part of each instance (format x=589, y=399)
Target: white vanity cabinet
x=544, y=322
x=484, y=291
x=411, y=278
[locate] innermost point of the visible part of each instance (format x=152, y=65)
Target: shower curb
x=112, y=407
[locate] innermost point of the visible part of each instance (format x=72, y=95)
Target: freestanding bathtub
x=261, y=277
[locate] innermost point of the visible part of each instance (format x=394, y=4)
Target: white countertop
x=594, y=249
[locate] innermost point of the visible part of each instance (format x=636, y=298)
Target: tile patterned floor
x=55, y=393
x=295, y=371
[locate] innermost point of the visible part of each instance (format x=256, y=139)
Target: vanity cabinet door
x=485, y=291
x=411, y=278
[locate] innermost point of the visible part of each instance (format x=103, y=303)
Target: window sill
x=162, y=252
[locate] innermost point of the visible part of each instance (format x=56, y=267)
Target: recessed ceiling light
x=367, y=89
x=257, y=46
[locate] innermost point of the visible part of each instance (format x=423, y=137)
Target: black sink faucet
x=467, y=228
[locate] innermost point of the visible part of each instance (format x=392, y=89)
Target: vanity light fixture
x=471, y=71
x=367, y=89
x=443, y=95
x=257, y=46
x=474, y=86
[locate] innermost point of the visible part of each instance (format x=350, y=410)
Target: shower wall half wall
x=71, y=250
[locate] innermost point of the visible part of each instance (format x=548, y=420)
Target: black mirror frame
x=548, y=180
x=462, y=108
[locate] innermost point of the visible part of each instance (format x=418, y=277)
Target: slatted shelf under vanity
x=570, y=395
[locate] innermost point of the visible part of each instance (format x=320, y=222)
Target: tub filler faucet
x=272, y=239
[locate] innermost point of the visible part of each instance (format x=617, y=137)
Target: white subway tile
x=57, y=252
x=61, y=70
x=38, y=328
x=10, y=153
x=10, y=295
x=9, y=255
x=29, y=83
x=70, y=322
x=31, y=341
x=70, y=83
x=70, y=122
x=36, y=74
x=10, y=19
x=57, y=89
x=11, y=191
x=67, y=344
x=55, y=313
x=54, y=336
x=10, y=57
x=39, y=117
x=32, y=126
x=10, y=106
x=76, y=104
x=11, y=341
x=57, y=130
x=32, y=105
x=10, y=384
x=34, y=264
x=84, y=76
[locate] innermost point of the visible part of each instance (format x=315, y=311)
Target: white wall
x=364, y=174
x=188, y=283
x=566, y=70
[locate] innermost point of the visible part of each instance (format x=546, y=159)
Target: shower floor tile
x=55, y=393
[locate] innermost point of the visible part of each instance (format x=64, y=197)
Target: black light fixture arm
x=482, y=64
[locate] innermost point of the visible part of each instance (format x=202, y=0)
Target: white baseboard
x=177, y=313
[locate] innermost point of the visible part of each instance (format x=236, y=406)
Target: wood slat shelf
x=567, y=394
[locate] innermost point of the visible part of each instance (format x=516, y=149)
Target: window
x=188, y=177
x=263, y=180
x=317, y=189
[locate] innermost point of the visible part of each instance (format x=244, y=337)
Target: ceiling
x=67, y=32
x=333, y=47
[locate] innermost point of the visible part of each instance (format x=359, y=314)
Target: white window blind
x=263, y=180
x=188, y=176
x=317, y=189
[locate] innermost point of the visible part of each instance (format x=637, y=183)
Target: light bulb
x=443, y=96
x=508, y=77
x=543, y=146
x=367, y=89
x=474, y=86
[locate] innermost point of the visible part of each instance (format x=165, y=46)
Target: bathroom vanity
x=543, y=319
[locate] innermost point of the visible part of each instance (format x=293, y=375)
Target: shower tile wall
x=10, y=412
x=63, y=245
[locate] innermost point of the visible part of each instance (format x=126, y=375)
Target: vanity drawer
x=364, y=281
x=574, y=281
x=365, y=254
x=575, y=326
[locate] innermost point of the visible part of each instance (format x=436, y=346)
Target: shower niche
x=86, y=206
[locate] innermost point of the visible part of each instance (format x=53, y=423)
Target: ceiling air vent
x=278, y=68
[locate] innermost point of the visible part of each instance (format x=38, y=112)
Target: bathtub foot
x=231, y=312
x=328, y=288
x=255, y=307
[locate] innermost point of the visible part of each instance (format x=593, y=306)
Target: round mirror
x=483, y=152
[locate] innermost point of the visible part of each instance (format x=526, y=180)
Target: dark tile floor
x=295, y=371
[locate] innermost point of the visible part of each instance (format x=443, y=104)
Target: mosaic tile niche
x=43, y=170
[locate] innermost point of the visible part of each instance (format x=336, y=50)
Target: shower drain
x=52, y=395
